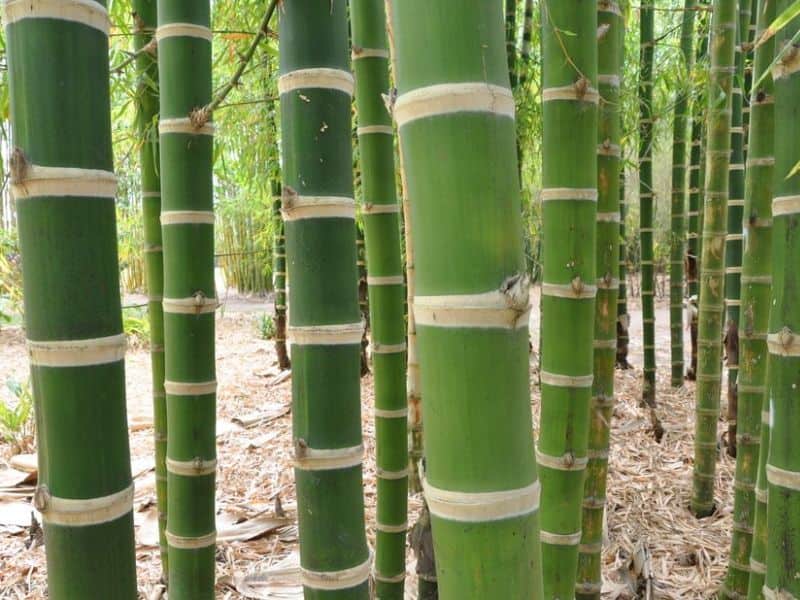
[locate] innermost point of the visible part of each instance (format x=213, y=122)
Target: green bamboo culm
x=749, y=509
x=325, y=325
x=63, y=183
x=279, y=275
x=511, y=41
x=381, y=215
x=187, y=226
x=609, y=161
x=712, y=306
x=646, y=196
x=623, y=318
x=783, y=461
x=569, y=284
x=733, y=242
x=679, y=193
x=454, y=97
x=527, y=34
x=145, y=22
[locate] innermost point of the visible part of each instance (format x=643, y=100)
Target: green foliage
x=15, y=418
x=136, y=325
x=10, y=277
x=266, y=326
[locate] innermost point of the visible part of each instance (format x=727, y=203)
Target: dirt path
x=649, y=483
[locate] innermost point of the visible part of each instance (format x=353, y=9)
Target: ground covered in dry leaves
x=655, y=548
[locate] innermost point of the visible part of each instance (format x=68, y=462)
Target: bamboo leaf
x=780, y=22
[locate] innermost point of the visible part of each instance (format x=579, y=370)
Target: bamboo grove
x=421, y=175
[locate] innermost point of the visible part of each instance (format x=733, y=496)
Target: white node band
x=194, y=305
x=180, y=388
x=187, y=217
x=785, y=205
x=453, y=98
x=391, y=475
x=566, y=462
x=402, y=528
x=783, y=478
x=612, y=80
x=314, y=459
x=575, y=291
x=184, y=125
x=765, y=161
x=604, y=344
x=369, y=53
x=609, y=150
x=190, y=543
x=608, y=217
x=492, y=310
x=326, y=335
x=318, y=78
x=556, y=380
x=585, y=194
x=38, y=181
x=85, y=12
x=191, y=468
x=296, y=208
x=380, y=209
x=191, y=30
x=389, y=579
x=378, y=348
x=78, y=353
x=370, y=129
x=784, y=343
x=385, y=413
x=336, y=580
x=571, y=92
x=69, y=512
x=560, y=539
x=385, y=280
x=480, y=507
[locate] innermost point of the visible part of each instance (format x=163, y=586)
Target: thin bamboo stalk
x=733, y=242
x=279, y=275
x=454, y=98
x=753, y=324
x=511, y=41
x=623, y=318
x=63, y=183
x=569, y=283
x=722, y=44
x=381, y=216
x=145, y=17
x=609, y=161
x=646, y=200
x=783, y=461
x=325, y=325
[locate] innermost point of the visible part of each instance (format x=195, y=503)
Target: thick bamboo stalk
x=646, y=197
x=753, y=322
x=679, y=192
x=783, y=461
x=733, y=242
x=381, y=214
x=187, y=221
x=454, y=99
x=325, y=325
x=709, y=341
x=609, y=161
x=145, y=21
x=569, y=283
x=63, y=183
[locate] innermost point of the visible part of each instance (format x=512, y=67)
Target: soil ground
x=649, y=483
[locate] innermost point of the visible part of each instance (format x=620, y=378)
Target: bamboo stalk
x=569, y=283
x=454, y=96
x=381, y=216
x=646, y=200
x=623, y=318
x=679, y=193
x=279, y=275
x=723, y=41
x=733, y=242
x=753, y=324
x=145, y=17
x=187, y=220
x=783, y=461
x=325, y=326
x=609, y=161
x=511, y=41
x=63, y=183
